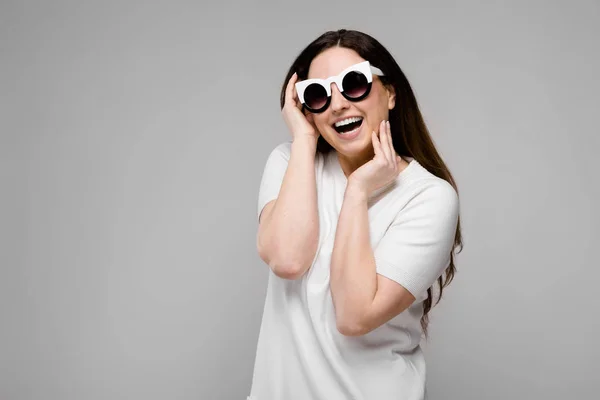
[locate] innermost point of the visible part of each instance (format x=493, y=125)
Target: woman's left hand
x=383, y=168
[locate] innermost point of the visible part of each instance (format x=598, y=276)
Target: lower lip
x=351, y=135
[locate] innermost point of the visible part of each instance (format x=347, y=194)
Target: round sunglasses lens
x=315, y=96
x=355, y=84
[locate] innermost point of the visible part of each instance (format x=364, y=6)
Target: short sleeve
x=415, y=250
x=273, y=174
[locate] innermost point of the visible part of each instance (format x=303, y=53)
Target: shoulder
x=283, y=149
x=437, y=194
x=430, y=193
x=282, y=153
x=278, y=155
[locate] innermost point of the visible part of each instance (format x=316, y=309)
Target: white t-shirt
x=300, y=354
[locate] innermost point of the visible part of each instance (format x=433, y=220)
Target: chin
x=353, y=149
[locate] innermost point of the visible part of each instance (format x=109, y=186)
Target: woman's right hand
x=295, y=120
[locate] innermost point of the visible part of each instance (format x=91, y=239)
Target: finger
x=393, y=154
x=290, y=90
x=376, y=145
x=384, y=139
x=290, y=84
x=295, y=98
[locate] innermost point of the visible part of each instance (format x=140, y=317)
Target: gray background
x=134, y=136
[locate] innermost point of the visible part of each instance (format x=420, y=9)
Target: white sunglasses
x=354, y=83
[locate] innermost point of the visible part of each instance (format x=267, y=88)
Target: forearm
x=292, y=231
x=353, y=278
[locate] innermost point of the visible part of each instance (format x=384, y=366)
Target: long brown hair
x=409, y=132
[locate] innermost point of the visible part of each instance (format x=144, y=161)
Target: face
x=355, y=148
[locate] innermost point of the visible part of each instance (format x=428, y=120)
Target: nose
x=338, y=101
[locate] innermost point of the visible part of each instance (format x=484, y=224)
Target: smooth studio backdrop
x=133, y=139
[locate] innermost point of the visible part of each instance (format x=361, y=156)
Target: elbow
x=282, y=269
x=287, y=271
x=290, y=271
x=351, y=328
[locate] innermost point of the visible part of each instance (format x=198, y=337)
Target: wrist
x=355, y=191
x=305, y=140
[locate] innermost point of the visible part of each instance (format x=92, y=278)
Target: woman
x=358, y=219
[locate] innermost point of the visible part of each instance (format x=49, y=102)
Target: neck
x=350, y=164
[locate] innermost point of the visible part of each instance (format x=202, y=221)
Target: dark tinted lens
x=315, y=96
x=355, y=84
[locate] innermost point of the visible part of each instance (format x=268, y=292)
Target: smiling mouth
x=348, y=127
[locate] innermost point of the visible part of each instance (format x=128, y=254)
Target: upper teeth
x=348, y=121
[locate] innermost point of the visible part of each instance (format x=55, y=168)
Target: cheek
x=320, y=121
x=372, y=108
x=380, y=104
x=378, y=98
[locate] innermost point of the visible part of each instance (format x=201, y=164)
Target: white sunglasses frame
x=363, y=67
